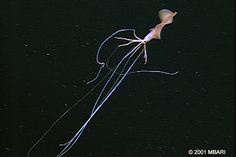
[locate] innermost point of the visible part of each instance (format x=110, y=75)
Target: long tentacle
x=138, y=71
x=64, y=114
x=130, y=52
x=78, y=134
x=102, y=64
x=119, y=76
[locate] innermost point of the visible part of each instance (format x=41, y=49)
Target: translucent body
x=114, y=77
x=166, y=16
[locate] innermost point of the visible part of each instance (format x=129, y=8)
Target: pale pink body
x=155, y=33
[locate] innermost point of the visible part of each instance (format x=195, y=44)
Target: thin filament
x=99, y=50
x=133, y=50
x=78, y=134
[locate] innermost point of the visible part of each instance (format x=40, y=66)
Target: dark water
x=48, y=53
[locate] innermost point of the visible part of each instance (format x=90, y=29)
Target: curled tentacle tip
x=175, y=73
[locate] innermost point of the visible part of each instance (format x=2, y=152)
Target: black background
x=48, y=53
